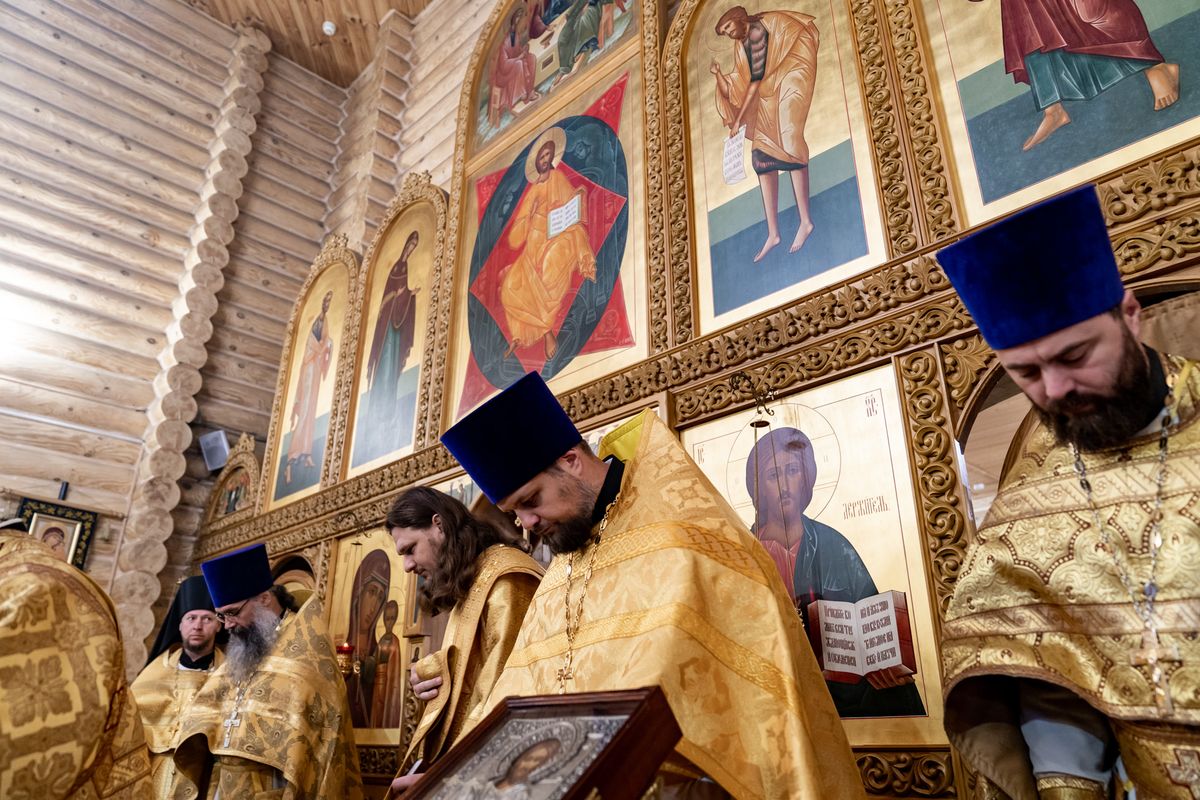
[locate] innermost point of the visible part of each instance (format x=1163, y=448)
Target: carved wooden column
x=941, y=503
x=142, y=554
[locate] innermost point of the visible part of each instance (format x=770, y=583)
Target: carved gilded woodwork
x=241, y=457
x=896, y=181
x=907, y=773
x=941, y=502
x=335, y=251
x=1156, y=185
x=964, y=362
x=378, y=762
x=417, y=188
x=317, y=558
x=925, y=139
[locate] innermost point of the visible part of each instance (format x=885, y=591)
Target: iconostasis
x=627, y=220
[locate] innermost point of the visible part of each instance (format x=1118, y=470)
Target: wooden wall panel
x=276, y=236
x=295, y=28
x=440, y=55
x=106, y=110
x=367, y=173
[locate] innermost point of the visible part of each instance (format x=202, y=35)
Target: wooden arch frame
x=334, y=253
x=650, y=27
x=241, y=457
x=417, y=188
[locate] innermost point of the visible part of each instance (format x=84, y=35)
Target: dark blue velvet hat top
x=512, y=437
x=238, y=576
x=1037, y=272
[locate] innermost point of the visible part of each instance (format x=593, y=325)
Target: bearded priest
x=1071, y=637
x=273, y=720
x=656, y=581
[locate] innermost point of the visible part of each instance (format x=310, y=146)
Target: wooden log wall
x=168, y=183
x=107, y=108
x=142, y=554
x=165, y=186
x=367, y=169
x=276, y=237
x=443, y=37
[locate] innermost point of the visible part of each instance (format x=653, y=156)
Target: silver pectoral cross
x=1153, y=654
x=234, y=720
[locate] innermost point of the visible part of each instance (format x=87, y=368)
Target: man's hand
x=401, y=784
x=425, y=690
x=889, y=678
x=715, y=68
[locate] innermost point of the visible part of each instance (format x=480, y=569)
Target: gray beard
x=246, y=650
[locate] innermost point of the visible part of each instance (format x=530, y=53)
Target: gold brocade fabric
x=683, y=597
x=1038, y=598
x=164, y=692
x=68, y=726
x=294, y=719
x=479, y=636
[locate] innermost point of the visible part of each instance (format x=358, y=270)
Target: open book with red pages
x=852, y=639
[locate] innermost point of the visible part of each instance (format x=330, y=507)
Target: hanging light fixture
x=761, y=425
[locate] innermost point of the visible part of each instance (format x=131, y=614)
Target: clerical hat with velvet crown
x=1038, y=271
x=238, y=576
x=512, y=437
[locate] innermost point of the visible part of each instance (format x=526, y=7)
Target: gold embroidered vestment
x=480, y=634
x=164, y=693
x=68, y=726
x=293, y=719
x=1039, y=598
x=683, y=597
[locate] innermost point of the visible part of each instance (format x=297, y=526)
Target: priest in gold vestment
x=482, y=575
x=68, y=726
x=661, y=584
x=185, y=653
x=1070, y=647
x=533, y=289
x=274, y=719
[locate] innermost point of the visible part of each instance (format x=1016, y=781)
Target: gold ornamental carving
x=940, y=218
x=907, y=773
x=656, y=198
x=418, y=188
x=240, y=457
x=681, y=316
x=966, y=362
x=825, y=358
x=1151, y=188
x=378, y=761
x=931, y=446
x=885, y=123
x=1170, y=242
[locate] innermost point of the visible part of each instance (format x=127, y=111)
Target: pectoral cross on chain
x=234, y=720
x=565, y=673
x=1154, y=654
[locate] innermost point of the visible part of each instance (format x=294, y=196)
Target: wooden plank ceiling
x=295, y=29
